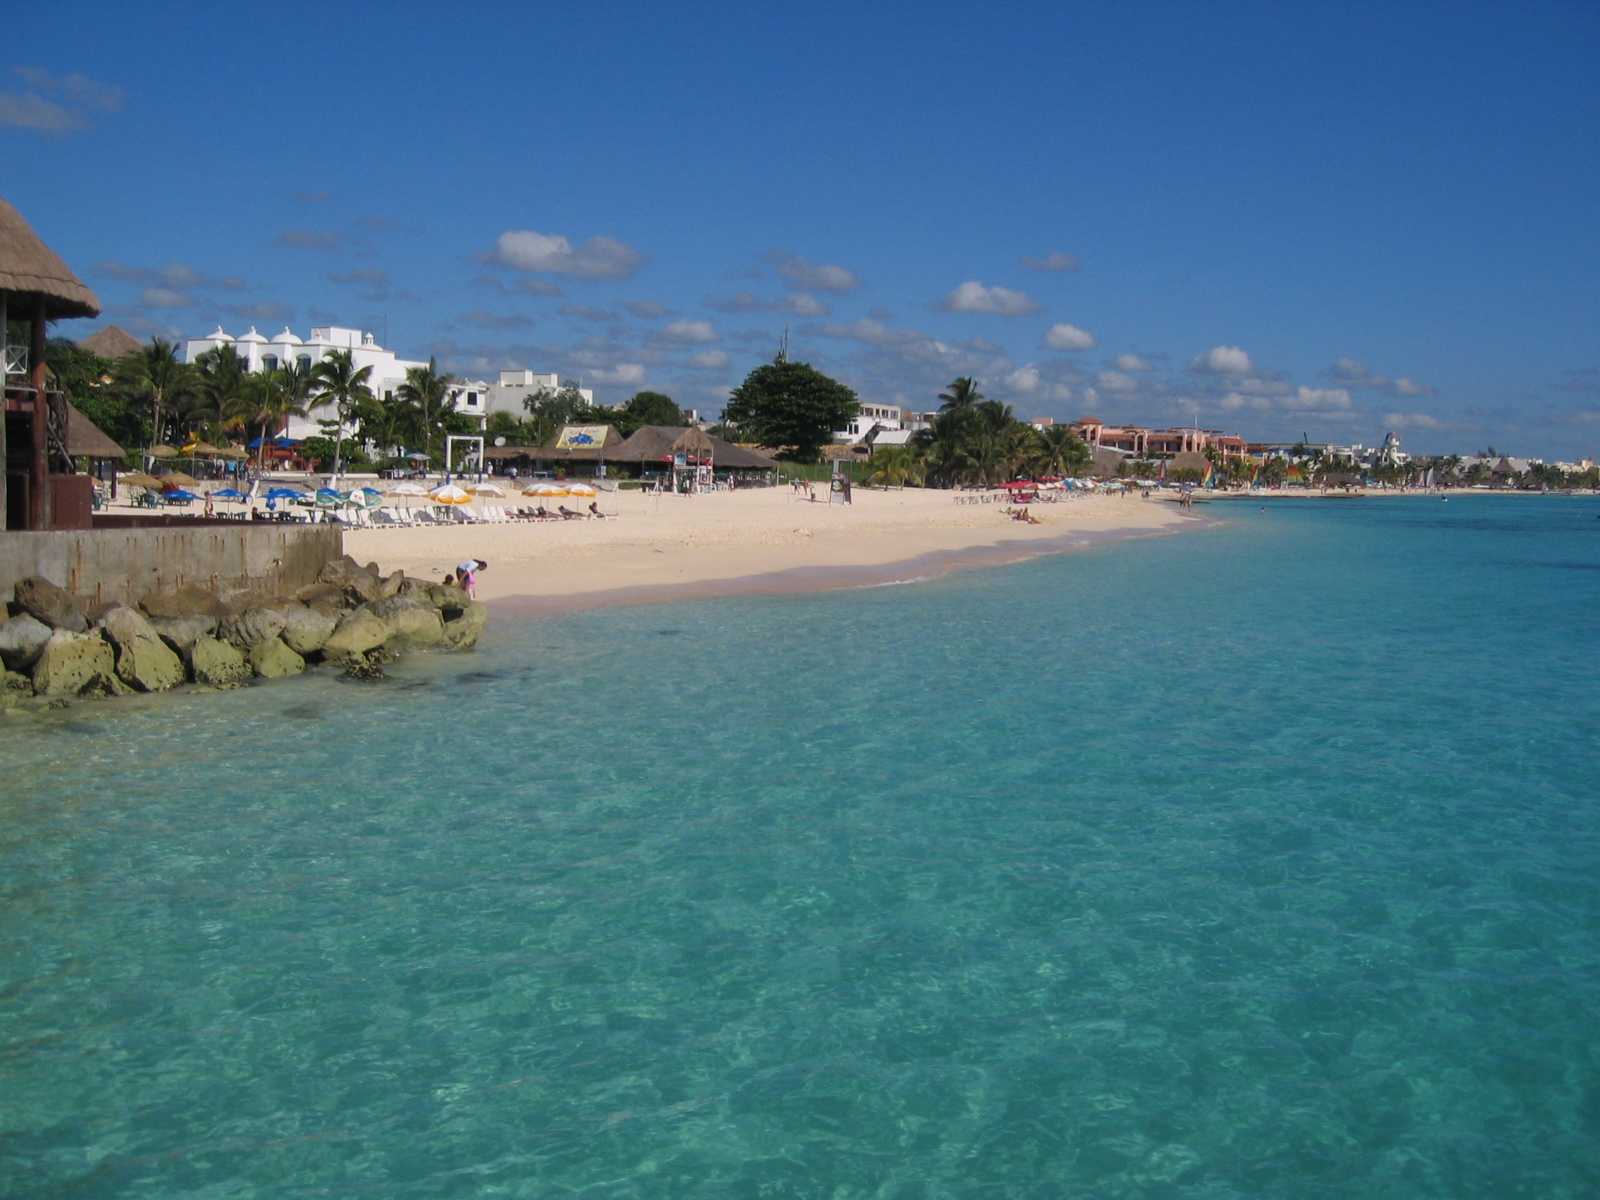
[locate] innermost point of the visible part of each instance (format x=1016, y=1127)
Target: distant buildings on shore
x=473, y=397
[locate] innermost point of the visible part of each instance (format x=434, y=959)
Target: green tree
x=156, y=381
x=1060, y=452
x=271, y=398
x=221, y=381
x=648, y=408
x=792, y=407
x=896, y=466
x=338, y=381
x=425, y=394
x=89, y=382
x=962, y=394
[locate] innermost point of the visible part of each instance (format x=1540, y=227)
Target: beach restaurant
x=652, y=450
x=41, y=435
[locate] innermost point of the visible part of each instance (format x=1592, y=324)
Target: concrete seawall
x=125, y=564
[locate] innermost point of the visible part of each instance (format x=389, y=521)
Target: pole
x=39, y=468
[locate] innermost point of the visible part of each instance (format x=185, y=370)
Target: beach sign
x=580, y=435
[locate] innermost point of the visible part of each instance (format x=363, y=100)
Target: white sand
x=657, y=547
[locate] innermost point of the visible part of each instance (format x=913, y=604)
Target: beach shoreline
x=757, y=542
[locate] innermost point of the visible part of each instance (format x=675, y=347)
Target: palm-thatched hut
x=39, y=488
x=673, y=450
x=111, y=342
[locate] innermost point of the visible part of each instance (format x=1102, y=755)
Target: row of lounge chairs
x=386, y=518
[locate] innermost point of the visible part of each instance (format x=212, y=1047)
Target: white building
x=388, y=370
x=871, y=417
x=514, y=388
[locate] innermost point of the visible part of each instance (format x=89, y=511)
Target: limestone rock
x=306, y=629
x=144, y=661
x=54, y=606
x=14, y=689
x=252, y=627
x=181, y=632
x=390, y=585
x=358, y=584
x=322, y=596
x=74, y=663
x=217, y=664
x=271, y=659
x=359, y=632
x=413, y=625
x=463, y=632
x=191, y=600
x=21, y=640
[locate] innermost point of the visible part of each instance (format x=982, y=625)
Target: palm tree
x=221, y=380
x=1060, y=452
x=424, y=392
x=897, y=466
x=271, y=398
x=963, y=393
x=337, y=381
x=156, y=377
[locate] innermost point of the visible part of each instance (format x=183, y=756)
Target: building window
x=304, y=363
x=269, y=362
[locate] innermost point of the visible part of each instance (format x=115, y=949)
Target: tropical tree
x=222, y=380
x=424, y=395
x=896, y=466
x=792, y=407
x=961, y=394
x=338, y=381
x=647, y=408
x=155, y=379
x=551, y=408
x=270, y=399
x=1060, y=452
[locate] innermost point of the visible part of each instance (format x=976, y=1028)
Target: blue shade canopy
x=282, y=493
x=228, y=494
x=180, y=494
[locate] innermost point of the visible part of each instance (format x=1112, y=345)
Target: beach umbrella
x=408, y=489
x=581, y=489
x=179, y=479
x=163, y=452
x=283, y=493
x=485, y=489
x=545, y=490
x=329, y=498
x=450, y=494
x=180, y=494
x=418, y=456
x=228, y=494
x=140, y=479
x=201, y=450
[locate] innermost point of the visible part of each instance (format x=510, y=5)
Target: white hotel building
x=388, y=372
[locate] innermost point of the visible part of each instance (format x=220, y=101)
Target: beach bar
x=40, y=488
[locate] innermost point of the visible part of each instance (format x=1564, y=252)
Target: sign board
x=580, y=435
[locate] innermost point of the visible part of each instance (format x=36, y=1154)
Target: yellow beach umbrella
x=581, y=489
x=546, y=490
x=450, y=494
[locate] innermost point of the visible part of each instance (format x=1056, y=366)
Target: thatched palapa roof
x=30, y=268
x=111, y=342
x=85, y=439
x=652, y=443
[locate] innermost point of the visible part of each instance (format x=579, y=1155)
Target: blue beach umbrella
x=283, y=493
x=228, y=494
x=179, y=494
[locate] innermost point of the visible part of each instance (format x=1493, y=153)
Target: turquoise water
x=1259, y=861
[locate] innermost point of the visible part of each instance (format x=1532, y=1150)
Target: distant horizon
x=1281, y=218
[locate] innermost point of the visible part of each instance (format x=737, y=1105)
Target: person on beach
x=469, y=576
x=211, y=506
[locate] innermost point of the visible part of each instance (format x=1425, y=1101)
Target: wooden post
x=39, y=468
x=4, y=381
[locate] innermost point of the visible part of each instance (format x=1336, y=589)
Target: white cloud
x=1306, y=399
x=624, y=373
x=1024, y=379
x=803, y=276
x=165, y=297
x=689, y=332
x=1054, y=261
x=973, y=297
x=799, y=304
x=1222, y=360
x=1353, y=373
x=1116, y=381
x=709, y=360
x=75, y=95
x=648, y=309
x=174, y=275
x=495, y=321
x=598, y=258
x=1068, y=337
x=1132, y=362
x=1413, y=421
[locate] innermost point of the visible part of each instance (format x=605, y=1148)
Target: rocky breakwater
x=56, y=647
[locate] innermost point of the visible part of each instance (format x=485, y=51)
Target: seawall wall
x=126, y=564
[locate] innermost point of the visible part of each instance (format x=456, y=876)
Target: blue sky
x=1333, y=219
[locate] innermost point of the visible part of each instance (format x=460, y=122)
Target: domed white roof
x=253, y=336
x=287, y=338
x=219, y=336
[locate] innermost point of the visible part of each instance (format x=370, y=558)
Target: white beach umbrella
x=408, y=489
x=545, y=490
x=485, y=489
x=581, y=489
x=450, y=494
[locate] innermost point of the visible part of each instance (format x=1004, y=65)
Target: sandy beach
x=760, y=540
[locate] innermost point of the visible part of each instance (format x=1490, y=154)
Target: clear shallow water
x=1257, y=861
